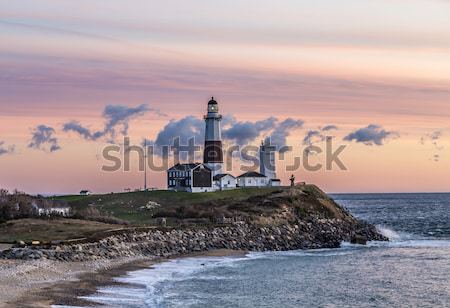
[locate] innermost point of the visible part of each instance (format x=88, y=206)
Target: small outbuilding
x=224, y=181
x=85, y=192
x=252, y=179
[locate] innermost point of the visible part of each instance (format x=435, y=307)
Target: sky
x=77, y=76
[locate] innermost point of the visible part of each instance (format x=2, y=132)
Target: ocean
x=412, y=270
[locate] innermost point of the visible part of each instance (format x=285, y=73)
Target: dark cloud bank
x=117, y=118
x=238, y=132
x=371, y=135
x=43, y=138
x=317, y=135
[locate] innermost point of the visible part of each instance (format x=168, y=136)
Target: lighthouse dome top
x=213, y=107
x=212, y=101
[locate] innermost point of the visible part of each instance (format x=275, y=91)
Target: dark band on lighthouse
x=213, y=152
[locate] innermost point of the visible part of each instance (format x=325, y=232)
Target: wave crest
x=389, y=233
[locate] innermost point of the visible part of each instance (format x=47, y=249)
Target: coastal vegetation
x=165, y=223
x=89, y=214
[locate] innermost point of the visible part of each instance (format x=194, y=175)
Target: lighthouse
x=267, y=159
x=212, y=153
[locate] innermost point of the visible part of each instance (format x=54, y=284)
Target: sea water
x=412, y=270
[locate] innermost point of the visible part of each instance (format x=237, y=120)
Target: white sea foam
x=154, y=278
x=403, y=239
x=389, y=233
x=421, y=243
x=325, y=252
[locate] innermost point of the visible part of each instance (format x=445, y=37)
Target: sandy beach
x=43, y=283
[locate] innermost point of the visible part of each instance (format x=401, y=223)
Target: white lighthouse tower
x=212, y=154
x=267, y=159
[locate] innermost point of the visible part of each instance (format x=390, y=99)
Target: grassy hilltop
x=256, y=204
x=265, y=206
x=128, y=206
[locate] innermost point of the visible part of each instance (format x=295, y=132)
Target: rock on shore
x=311, y=233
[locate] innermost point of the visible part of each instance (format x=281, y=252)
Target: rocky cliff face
x=300, y=219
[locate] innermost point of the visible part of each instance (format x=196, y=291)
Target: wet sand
x=46, y=283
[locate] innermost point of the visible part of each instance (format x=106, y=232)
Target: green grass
x=68, y=198
x=163, y=197
x=245, y=202
x=126, y=206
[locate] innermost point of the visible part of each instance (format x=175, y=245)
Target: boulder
x=358, y=239
x=20, y=244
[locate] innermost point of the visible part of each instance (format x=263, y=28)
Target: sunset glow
x=349, y=64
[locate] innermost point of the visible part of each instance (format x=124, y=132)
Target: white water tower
x=267, y=159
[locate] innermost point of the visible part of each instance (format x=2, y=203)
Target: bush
x=16, y=206
x=20, y=205
x=165, y=212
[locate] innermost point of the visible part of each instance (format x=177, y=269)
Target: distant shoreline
x=84, y=279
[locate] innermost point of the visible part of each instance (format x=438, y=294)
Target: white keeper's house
x=190, y=177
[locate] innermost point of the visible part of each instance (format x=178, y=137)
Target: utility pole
x=145, y=164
